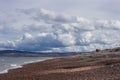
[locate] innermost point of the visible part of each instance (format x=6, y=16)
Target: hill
x=15, y=53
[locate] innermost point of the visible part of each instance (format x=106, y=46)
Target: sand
x=96, y=65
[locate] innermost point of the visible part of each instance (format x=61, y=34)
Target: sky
x=85, y=8
x=59, y=25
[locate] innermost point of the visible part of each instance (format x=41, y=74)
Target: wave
x=15, y=66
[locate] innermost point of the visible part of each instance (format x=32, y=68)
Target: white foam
x=4, y=71
x=15, y=66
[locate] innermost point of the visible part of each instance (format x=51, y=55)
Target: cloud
x=43, y=41
x=7, y=45
x=44, y=30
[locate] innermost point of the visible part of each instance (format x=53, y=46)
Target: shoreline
x=14, y=66
x=96, y=65
x=7, y=70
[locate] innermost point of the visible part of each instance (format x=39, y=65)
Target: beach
x=95, y=65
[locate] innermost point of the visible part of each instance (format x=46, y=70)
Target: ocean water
x=7, y=63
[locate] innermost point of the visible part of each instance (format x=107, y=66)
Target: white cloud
x=44, y=30
x=26, y=36
x=1, y=27
x=66, y=39
x=7, y=45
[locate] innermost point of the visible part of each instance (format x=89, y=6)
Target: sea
x=7, y=63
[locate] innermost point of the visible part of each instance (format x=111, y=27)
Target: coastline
x=15, y=66
x=96, y=65
x=7, y=70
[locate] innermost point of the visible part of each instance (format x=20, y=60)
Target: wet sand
x=96, y=65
